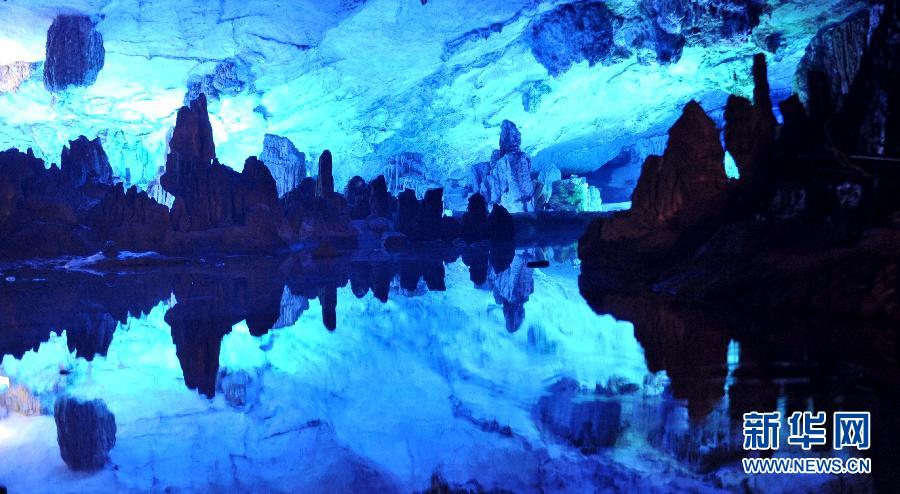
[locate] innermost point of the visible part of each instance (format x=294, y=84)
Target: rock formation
x=325, y=178
x=285, y=162
x=358, y=196
x=678, y=191
x=571, y=33
x=86, y=432
x=13, y=75
x=750, y=131
x=75, y=53
x=834, y=56
x=241, y=210
x=506, y=179
x=84, y=162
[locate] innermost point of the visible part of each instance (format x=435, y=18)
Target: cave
x=448, y=246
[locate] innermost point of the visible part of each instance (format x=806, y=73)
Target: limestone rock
x=834, y=56
x=75, y=53
x=750, y=130
x=325, y=179
x=287, y=164
x=475, y=219
x=84, y=162
x=500, y=224
x=571, y=33
x=13, y=75
x=358, y=198
x=191, y=148
x=689, y=180
x=506, y=179
x=86, y=432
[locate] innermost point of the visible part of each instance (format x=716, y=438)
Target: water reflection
x=466, y=363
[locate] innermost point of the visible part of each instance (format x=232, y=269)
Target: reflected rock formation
x=86, y=431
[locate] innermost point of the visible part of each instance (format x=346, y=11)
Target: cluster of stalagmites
x=812, y=223
x=78, y=208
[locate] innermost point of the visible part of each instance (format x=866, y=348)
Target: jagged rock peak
x=191, y=146
x=690, y=177
x=84, y=161
x=75, y=53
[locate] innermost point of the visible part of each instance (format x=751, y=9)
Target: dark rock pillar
x=325, y=182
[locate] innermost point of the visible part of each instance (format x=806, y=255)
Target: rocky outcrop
x=325, y=178
x=750, y=131
x=833, y=58
x=285, y=162
x=86, y=432
x=869, y=121
x=677, y=192
x=421, y=220
x=358, y=198
x=85, y=162
x=574, y=195
x=191, y=148
x=229, y=78
x=13, y=75
x=506, y=179
x=131, y=219
x=75, y=53
x=674, y=23
x=572, y=33
x=500, y=225
x=213, y=203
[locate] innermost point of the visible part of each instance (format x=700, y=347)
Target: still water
x=472, y=369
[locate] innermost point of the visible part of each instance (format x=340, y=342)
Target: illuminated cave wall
x=585, y=82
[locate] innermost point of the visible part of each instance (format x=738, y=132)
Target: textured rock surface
x=287, y=164
x=371, y=80
x=75, y=52
x=835, y=54
x=86, y=431
x=13, y=75
x=750, y=130
x=84, y=161
x=506, y=179
x=688, y=181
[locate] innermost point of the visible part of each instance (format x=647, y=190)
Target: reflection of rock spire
x=512, y=289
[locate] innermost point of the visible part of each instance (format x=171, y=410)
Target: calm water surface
x=376, y=375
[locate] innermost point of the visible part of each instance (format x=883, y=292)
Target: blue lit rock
x=86, y=432
x=287, y=164
x=75, y=53
x=572, y=33
x=506, y=179
x=370, y=80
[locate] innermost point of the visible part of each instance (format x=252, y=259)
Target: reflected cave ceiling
x=370, y=80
